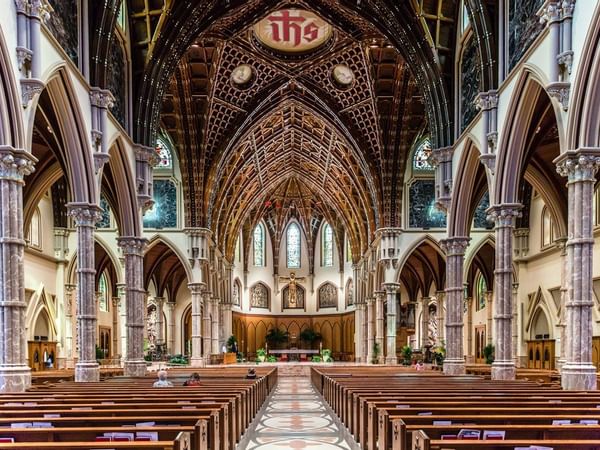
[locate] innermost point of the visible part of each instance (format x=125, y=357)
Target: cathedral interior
x=374, y=178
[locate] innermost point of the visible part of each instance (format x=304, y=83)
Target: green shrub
x=327, y=355
x=406, y=355
x=488, y=353
x=316, y=359
x=261, y=355
x=271, y=358
x=178, y=359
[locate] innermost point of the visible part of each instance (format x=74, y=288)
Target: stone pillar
x=515, y=325
x=86, y=216
x=116, y=301
x=379, y=324
x=503, y=367
x=470, y=353
x=564, y=292
x=196, y=291
x=206, y=326
x=390, y=290
x=135, y=297
x=122, y=321
x=370, y=328
x=160, y=321
x=440, y=296
x=214, y=316
x=454, y=247
x=227, y=324
x=424, y=323
x=69, y=347
x=359, y=318
x=580, y=166
x=171, y=328
x=489, y=300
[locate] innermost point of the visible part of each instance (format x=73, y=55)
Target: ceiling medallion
x=242, y=75
x=342, y=75
x=292, y=31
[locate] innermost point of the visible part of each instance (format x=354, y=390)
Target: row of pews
x=127, y=413
x=384, y=408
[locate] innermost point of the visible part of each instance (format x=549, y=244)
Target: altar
x=294, y=354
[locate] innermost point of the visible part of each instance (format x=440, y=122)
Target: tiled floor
x=295, y=417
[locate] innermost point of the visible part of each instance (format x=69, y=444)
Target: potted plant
x=316, y=359
x=272, y=358
x=327, y=355
x=488, y=353
x=261, y=355
x=310, y=336
x=406, y=355
x=231, y=343
x=376, y=353
x=439, y=354
x=276, y=337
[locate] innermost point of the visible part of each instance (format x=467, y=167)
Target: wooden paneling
x=540, y=354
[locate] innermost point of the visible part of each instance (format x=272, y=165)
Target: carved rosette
x=15, y=164
x=455, y=246
x=505, y=214
x=580, y=165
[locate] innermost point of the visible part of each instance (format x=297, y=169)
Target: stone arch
x=437, y=273
x=159, y=238
x=11, y=122
x=39, y=308
x=114, y=260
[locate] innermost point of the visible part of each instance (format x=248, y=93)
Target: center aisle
x=296, y=417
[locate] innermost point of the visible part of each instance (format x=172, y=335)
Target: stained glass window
x=259, y=245
x=465, y=17
x=480, y=219
x=327, y=245
x=103, y=292
x=122, y=17
x=293, y=246
x=105, y=220
x=165, y=155
x=481, y=293
x=348, y=251
x=163, y=213
x=423, y=213
x=421, y=156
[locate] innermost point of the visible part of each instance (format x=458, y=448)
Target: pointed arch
x=432, y=265
x=11, y=116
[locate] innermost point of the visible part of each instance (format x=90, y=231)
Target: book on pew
x=561, y=422
x=13, y=404
x=51, y=416
x=107, y=403
x=7, y=440
x=42, y=425
x=428, y=413
x=145, y=424
x=146, y=436
x=442, y=422
x=21, y=425
x=103, y=438
x=588, y=422
x=467, y=434
x=120, y=437
x=29, y=403
x=495, y=435
x=188, y=407
x=402, y=406
x=81, y=408
x=445, y=437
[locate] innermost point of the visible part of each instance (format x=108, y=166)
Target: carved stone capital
x=41, y=9
x=30, y=87
x=504, y=214
x=171, y=306
x=85, y=214
x=567, y=7
x=116, y=301
x=22, y=6
x=24, y=56
x=101, y=98
x=492, y=138
x=391, y=288
x=99, y=160
x=15, y=164
x=198, y=289
x=455, y=246
x=489, y=161
x=579, y=165
x=565, y=59
x=146, y=154
x=561, y=91
x=549, y=12
x=487, y=100
x=132, y=245
x=441, y=155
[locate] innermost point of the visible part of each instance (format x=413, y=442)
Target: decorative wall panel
x=328, y=296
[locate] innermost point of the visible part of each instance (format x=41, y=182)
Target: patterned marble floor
x=296, y=417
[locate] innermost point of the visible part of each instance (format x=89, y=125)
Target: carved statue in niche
x=236, y=294
x=259, y=296
x=293, y=295
x=151, y=322
x=328, y=296
x=350, y=293
x=433, y=324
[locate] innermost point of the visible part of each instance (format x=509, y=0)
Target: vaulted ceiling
x=293, y=144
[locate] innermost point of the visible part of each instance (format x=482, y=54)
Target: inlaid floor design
x=296, y=417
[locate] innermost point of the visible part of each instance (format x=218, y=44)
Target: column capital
x=101, y=98
x=22, y=6
x=379, y=295
x=485, y=101
x=116, y=301
x=391, y=288
x=441, y=155
x=197, y=288
x=370, y=300
x=579, y=165
x=132, y=245
x=160, y=301
x=40, y=9
x=15, y=163
x=171, y=306
x=549, y=12
x=504, y=213
x=85, y=214
x=455, y=246
x=567, y=7
x=146, y=154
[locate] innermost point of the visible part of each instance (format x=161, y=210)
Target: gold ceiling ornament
x=293, y=31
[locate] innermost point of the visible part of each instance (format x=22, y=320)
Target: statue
x=292, y=300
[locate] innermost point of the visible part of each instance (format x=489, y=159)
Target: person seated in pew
x=162, y=380
x=251, y=375
x=419, y=366
x=194, y=380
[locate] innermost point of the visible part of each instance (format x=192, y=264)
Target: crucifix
x=292, y=291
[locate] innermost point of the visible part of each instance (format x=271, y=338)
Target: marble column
x=116, y=301
x=86, y=216
x=515, y=324
x=440, y=296
x=196, y=291
x=359, y=318
x=424, y=323
x=15, y=375
x=390, y=290
x=454, y=247
x=122, y=322
x=214, y=317
x=370, y=329
x=227, y=324
x=580, y=167
x=70, y=348
x=503, y=367
x=489, y=300
x=379, y=324
x=206, y=327
x=470, y=353
x=135, y=297
x=171, y=328
x=160, y=321
x=564, y=292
